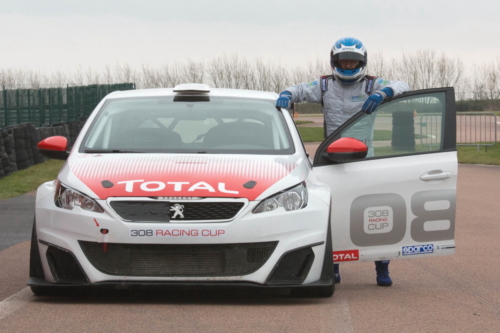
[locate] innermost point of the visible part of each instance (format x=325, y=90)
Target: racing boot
x=382, y=268
x=336, y=272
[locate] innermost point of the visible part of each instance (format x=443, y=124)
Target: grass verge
x=315, y=134
x=310, y=115
x=28, y=180
x=311, y=134
x=470, y=155
x=302, y=122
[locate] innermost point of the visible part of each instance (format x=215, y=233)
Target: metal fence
x=473, y=129
x=430, y=130
x=476, y=129
x=44, y=107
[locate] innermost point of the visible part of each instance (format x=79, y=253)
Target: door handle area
x=435, y=175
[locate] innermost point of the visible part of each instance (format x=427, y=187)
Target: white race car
x=201, y=186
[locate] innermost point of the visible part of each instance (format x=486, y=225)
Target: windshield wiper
x=109, y=151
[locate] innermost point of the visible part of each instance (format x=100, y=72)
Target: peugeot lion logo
x=178, y=209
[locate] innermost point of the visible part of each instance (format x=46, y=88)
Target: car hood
x=174, y=175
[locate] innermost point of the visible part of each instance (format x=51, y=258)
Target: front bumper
x=292, y=232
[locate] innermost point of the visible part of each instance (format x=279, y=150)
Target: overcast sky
x=49, y=35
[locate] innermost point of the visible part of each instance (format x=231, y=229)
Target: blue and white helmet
x=348, y=48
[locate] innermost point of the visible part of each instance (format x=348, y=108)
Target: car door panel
x=399, y=202
x=383, y=210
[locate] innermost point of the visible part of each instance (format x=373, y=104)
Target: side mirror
x=54, y=147
x=346, y=150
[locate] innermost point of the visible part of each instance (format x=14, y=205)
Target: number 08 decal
x=380, y=219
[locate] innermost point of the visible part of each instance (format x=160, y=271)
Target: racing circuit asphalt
x=459, y=293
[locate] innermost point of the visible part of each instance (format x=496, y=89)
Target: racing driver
x=342, y=95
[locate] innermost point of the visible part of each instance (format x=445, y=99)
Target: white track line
x=15, y=302
x=335, y=316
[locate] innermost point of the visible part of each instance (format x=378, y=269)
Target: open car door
x=393, y=177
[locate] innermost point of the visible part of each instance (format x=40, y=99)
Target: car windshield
x=188, y=124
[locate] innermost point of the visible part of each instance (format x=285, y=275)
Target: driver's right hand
x=284, y=101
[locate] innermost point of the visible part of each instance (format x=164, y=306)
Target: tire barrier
x=18, y=144
x=46, y=106
x=403, y=131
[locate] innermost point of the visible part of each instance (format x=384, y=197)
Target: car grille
x=150, y=211
x=178, y=260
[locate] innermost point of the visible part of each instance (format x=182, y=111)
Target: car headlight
x=292, y=199
x=69, y=198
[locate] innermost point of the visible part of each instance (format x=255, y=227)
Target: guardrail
x=476, y=129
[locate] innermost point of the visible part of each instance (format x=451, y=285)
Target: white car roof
x=213, y=92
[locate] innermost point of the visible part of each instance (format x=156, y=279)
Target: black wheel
x=314, y=291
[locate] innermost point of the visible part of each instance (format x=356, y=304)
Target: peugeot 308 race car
x=201, y=186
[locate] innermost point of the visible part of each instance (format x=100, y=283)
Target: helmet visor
x=349, y=56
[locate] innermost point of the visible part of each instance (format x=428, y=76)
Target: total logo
x=156, y=186
x=349, y=255
x=418, y=249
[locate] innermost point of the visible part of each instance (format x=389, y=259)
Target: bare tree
x=492, y=78
x=479, y=91
x=193, y=71
x=92, y=76
x=463, y=89
x=172, y=75
x=58, y=79
x=421, y=69
x=36, y=80
x=279, y=78
x=108, y=75
x=124, y=73
x=449, y=71
x=379, y=66
x=232, y=72
x=263, y=72
x=78, y=77
x=150, y=77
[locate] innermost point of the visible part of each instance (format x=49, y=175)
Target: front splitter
x=37, y=282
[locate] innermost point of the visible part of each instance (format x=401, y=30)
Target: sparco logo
x=418, y=249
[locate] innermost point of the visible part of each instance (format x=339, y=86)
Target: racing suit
x=341, y=101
